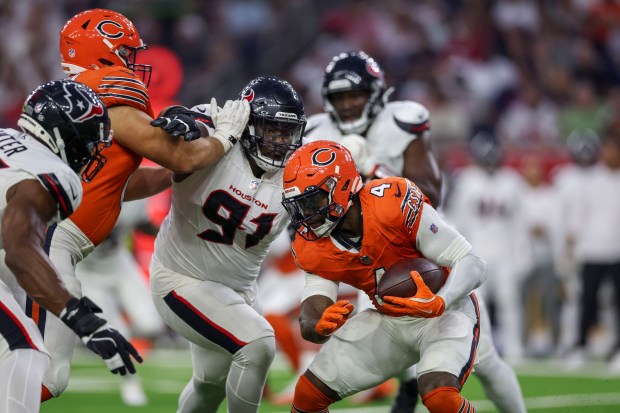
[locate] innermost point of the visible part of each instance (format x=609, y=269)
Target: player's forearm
x=431, y=187
x=36, y=275
x=311, y=311
x=468, y=274
x=146, y=182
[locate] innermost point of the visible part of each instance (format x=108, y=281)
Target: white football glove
x=358, y=146
x=230, y=121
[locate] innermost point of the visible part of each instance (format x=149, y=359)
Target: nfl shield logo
x=254, y=184
x=434, y=228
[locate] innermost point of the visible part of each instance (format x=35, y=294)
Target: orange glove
x=334, y=317
x=424, y=304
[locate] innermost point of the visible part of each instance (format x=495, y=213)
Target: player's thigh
x=17, y=331
x=210, y=314
x=364, y=352
x=210, y=365
x=449, y=343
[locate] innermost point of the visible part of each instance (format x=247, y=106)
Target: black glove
x=109, y=344
x=178, y=121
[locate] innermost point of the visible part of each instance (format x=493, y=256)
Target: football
x=397, y=279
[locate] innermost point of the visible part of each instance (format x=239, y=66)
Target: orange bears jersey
x=391, y=210
x=101, y=204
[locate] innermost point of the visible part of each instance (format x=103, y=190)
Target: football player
x=64, y=125
x=393, y=138
x=385, y=138
x=398, y=133
x=98, y=47
x=210, y=247
x=350, y=232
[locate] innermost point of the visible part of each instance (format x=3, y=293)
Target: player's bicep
x=438, y=240
x=27, y=213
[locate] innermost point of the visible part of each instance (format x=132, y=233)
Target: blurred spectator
x=585, y=111
x=486, y=207
x=542, y=290
x=568, y=180
x=530, y=119
x=597, y=248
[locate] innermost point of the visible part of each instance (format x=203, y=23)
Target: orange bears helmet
x=96, y=38
x=320, y=184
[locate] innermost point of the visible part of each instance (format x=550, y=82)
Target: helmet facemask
x=354, y=71
x=314, y=213
x=270, y=141
x=129, y=55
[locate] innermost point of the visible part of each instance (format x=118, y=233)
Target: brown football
x=397, y=279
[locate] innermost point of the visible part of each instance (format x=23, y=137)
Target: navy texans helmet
x=277, y=122
x=486, y=150
x=354, y=71
x=584, y=146
x=71, y=120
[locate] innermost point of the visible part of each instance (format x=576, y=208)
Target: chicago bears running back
x=349, y=232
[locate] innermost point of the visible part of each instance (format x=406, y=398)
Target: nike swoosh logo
x=398, y=194
x=426, y=311
x=73, y=194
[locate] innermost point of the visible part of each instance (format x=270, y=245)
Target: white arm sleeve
x=316, y=285
x=442, y=244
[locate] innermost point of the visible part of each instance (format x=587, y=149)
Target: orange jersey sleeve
x=102, y=200
x=391, y=217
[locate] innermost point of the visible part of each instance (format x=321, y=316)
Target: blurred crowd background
x=528, y=73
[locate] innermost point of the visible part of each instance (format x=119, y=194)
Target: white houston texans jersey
x=487, y=209
x=394, y=128
x=221, y=222
x=23, y=157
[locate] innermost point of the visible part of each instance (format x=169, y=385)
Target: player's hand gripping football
x=334, y=317
x=230, y=121
x=178, y=121
x=96, y=333
x=424, y=304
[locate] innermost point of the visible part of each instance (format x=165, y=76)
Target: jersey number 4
x=229, y=213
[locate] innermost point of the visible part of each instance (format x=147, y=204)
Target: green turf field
x=547, y=386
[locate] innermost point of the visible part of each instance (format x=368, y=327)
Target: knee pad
x=56, y=379
x=257, y=353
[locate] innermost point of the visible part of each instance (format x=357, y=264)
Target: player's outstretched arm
x=147, y=181
x=28, y=210
x=132, y=129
